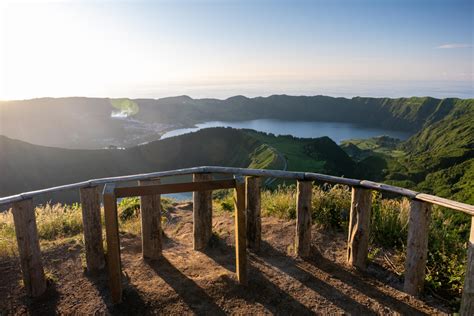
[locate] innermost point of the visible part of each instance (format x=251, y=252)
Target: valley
x=432, y=150
x=429, y=148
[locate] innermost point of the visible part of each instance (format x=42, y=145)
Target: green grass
x=265, y=157
x=306, y=154
x=383, y=145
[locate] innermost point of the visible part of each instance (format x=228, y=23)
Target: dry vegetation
x=62, y=225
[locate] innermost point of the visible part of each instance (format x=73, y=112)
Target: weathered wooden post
x=202, y=213
x=113, y=243
x=467, y=302
x=253, y=210
x=90, y=205
x=150, y=209
x=303, y=218
x=359, y=220
x=417, y=246
x=28, y=247
x=240, y=232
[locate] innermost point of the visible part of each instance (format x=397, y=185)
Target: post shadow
x=46, y=304
x=351, y=279
x=191, y=293
x=259, y=285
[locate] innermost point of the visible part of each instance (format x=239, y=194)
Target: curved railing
x=417, y=243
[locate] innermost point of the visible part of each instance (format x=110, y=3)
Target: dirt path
x=189, y=282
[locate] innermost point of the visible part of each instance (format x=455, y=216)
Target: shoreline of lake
x=337, y=131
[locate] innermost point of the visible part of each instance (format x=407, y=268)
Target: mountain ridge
x=80, y=122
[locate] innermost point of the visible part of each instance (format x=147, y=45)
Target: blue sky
x=223, y=48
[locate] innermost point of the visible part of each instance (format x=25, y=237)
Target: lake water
x=334, y=130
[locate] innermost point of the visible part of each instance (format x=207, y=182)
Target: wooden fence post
x=359, y=221
x=417, y=246
x=113, y=243
x=240, y=232
x=150, y=209
x=303, y=218
x=90, y=205
x=28, y=247
x=467, y=302
x=253, y=210
x=202, y=213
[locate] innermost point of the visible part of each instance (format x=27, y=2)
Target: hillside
x=438, y=159
x=93, y=123
x=28, y=167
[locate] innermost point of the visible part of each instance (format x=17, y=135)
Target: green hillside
x=439, y=159
x=28, y=167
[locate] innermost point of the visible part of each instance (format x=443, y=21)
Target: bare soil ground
x=190, y=282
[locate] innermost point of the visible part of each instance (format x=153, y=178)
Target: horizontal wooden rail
x=463, y=207
x=174, y=188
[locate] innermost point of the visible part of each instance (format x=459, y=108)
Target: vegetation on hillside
x=309, y=154
x=87, y=122
x=28, y=167
x=439, y=159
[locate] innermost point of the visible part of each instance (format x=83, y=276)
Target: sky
x=223, y=48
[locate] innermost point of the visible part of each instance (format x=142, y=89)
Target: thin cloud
x=454, y=45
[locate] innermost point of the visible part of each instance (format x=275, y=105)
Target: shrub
x=330, y=205
x=128, y=208
x=58, y=221
x=224, y=200
x=389, y=221
x=280, y=202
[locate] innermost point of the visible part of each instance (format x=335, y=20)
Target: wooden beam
x=467, y=302
x=359, y=220
x=303, y=218
x=202, y=209
x=198, y=186
x=240, y=232
x=463, y=207
x=253, y=210
x=28, y=246
x=388, y=188
x=92, y=227
x=417, y=246
x=113, y=244
x=150, y=209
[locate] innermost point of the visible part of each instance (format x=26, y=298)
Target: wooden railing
x=247, y=221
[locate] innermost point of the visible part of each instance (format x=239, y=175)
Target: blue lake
x=334, y=130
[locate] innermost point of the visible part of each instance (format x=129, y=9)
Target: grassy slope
x=438, y=159
x=28, y=167
x=307, y=154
